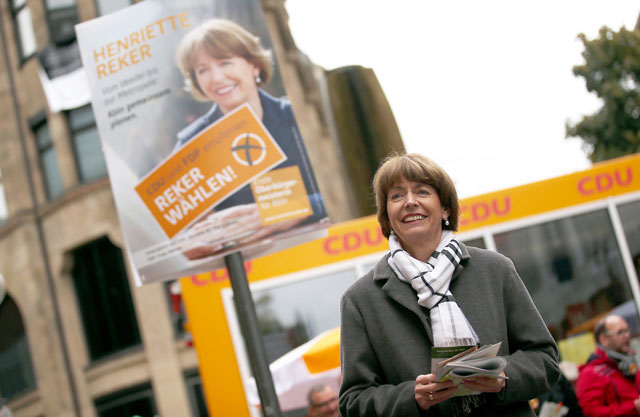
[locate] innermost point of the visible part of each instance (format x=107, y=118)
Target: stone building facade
x=60, y=237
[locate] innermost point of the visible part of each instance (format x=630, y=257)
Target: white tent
x=294, y=373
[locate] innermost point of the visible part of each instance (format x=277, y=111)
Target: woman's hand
x=214, y=232
x=428, y=392
x=265, y=231
x=485, y=384
x=232, y=227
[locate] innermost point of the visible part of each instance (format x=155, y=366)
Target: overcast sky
x=482, y=87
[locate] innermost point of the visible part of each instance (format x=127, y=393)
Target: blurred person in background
x=609, y=382
x=323, y=401
x=563, y=393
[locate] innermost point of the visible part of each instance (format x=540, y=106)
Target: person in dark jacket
x=609, y=384
x=561, y=393
x=432, y=290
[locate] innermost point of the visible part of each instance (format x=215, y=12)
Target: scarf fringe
x=462, y=406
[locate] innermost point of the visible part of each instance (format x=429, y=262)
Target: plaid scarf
x=431, y=282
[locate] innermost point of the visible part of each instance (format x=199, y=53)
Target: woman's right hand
x=240, y=224
x=210, y=234
x=429, y=392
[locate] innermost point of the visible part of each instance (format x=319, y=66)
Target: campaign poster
x=203, y=150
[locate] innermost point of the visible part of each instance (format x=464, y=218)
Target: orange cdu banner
x=229, y=154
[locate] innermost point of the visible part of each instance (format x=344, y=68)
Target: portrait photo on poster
x=203, y=149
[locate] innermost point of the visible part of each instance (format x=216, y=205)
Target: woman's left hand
x=429, y=392
x=485, y=384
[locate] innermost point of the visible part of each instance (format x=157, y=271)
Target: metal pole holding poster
x=251, y=332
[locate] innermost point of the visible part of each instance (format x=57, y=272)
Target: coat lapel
x=272, y=110
x=401, y=293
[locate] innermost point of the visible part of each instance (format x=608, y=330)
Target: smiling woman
x=224, y=64
x=465, y=297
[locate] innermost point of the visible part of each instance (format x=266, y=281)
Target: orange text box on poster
x=281, y=195
x=210, y=167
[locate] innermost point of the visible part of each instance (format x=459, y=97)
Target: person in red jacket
x=609, y=384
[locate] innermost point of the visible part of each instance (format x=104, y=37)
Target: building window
x=110, y=6
x=62, y=16
x=287, y=319
x=572, y=267
x=47, y=157
x=136, y=401
x=86, y=144
x=16, y=369
x=104, y=298
x=196, y=395
x=23, y=24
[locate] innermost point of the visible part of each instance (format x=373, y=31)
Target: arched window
x=104, y=298
x=16, y=369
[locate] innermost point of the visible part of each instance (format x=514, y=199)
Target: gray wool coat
x=386, y=339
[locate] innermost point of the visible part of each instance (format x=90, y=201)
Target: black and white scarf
x=431, y=283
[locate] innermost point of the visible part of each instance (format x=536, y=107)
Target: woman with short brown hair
x=430, y=290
